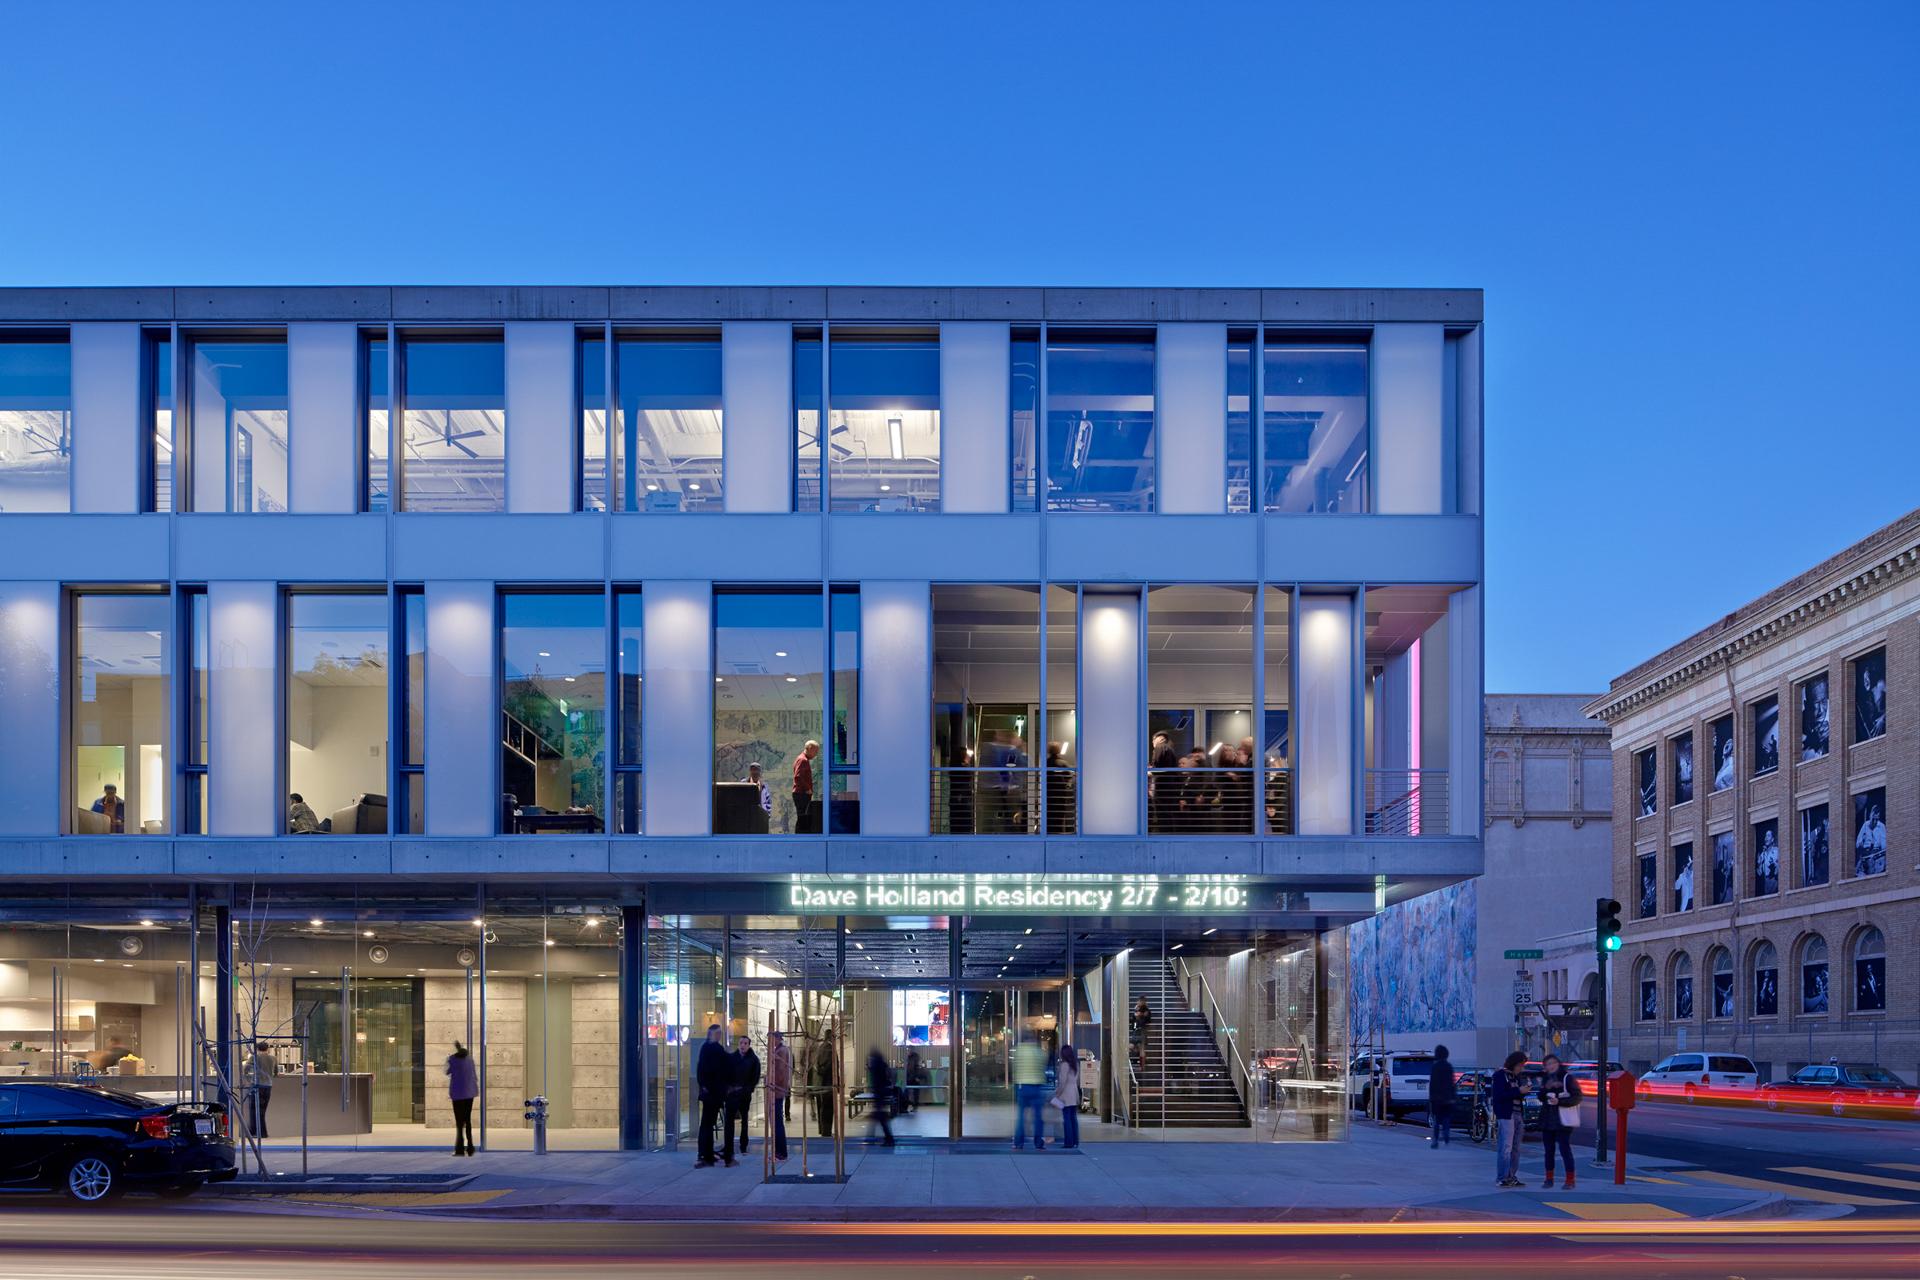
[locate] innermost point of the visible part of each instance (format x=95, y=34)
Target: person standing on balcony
x=805, y=817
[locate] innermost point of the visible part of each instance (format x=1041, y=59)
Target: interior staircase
x=1185, y=1081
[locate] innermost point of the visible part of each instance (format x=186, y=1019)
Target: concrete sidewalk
x=1376, y=1175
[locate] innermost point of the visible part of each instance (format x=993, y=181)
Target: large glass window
x=883, y=433
x=1023, y=408
x=1201, y=738
x=454, y=423
x=410, y=776
x=1409, y=712
x=336, y=713
x=807, y=355
x=553, y=712
x=1100, y=420
x=158, y=390
x=1314, y=427
x=769, y=707
x=36, y=424
x=843, y=712
x=1239, y=420
x=120, y=675
x=1060, y=682
x=198, y=711
x=376, y=390
x=663, y=453
x=239, y=422
x=986, y=710
x=630, y=654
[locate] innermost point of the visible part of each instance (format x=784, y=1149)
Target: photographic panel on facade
x=1100, y=420
x=1681, y=749
x=1723, y=753
x=1815, y=721
x=1765, y=982
x=769, y=707
x=1723, y=867
x=1683, y=988
x=120, y=690
x=1814, y=994
x=1766, y=858
x=239, y=422
x=1814, y=848
x=1683, y=877
x=1869, y=695
x=36, y=422
x=883, y=421
x=1766, y=736
x=1869, y=971
x=1200, y=754
x=1720, y=967
x=1647, y=1004
x=987, y=722
x=553, y=712
x=337, y=666
x=1314, y=427
x=156, y=399
x=376, y=419
x=1870, y=832
x=1648, y=903
x=1646, y=774
x=453, y=401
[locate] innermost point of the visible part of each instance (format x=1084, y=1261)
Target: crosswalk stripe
x=1865, y=1179
x=1895, y=1164
x=1797, y=1191
x=1612, y=1210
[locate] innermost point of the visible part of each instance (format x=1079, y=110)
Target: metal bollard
x=537, y=1112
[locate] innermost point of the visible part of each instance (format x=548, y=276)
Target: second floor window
x=1100, y=420
x=453, y=423
x=36, y=440
x=1314, y=424
x=663, y=452
x=883, y=431
x=239, y=424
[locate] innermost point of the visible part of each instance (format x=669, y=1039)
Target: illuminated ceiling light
x=146, y=924
x=545, y=654
x=793, y=679
x=317, y=923
x=313, y=971
x=368, y=933
x=886, y=488
x=1176, y=946
x=1210, y=932
x=1018, y=945
x=779, y=653
x=652, y=487
x=593, y=922
x=896, y=444
x=99, y=961
x=719, y=679
x=569, y=679
x=549, y=941
x=695, y=486
x=1029, y=930
x=479, y=923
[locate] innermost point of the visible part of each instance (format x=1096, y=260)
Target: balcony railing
x=1407, y=802
x=1021, y=801
x=1193, y=802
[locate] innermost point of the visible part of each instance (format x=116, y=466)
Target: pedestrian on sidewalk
x=713, y=1076
x=1029, y=1092
x=1442, y=1089
x=463, y=1086
x=1066, y=1096
x=779, y=1088
x=746, y=1078
x=880, y=1085
x=1559, y=1115
x=1506, y=1098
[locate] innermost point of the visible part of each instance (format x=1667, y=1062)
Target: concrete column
x=243, y=729
x=1467, y=415
x=756, y=387
x=541, y=440
x=896, y=693
x=1113, y=751
x=323, y=376
x=1408, y=427
x=463, y=727
x=107, y=424
x=975, y=462
x=1466, y=689
x=1324, y=751
x=1190, y=410
x=677, y=717
x=31, y=748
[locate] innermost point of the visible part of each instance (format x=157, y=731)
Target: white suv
x=1406, y=1081
x=1695, y=1075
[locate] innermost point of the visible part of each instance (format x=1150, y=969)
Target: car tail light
x=226, y=1131
x=155, y=1127
x=1706, y=1079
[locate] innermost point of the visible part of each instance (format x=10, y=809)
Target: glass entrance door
x=986, y=1053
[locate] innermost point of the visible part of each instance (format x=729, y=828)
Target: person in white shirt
x=766, y=796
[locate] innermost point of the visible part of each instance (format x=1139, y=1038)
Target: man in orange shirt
x=805, y=815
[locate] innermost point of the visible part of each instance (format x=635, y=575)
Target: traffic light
x=1606, y=924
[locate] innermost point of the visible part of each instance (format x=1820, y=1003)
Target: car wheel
x=1690, y=1094
x=1839, y=1108
x=1366, y=1102
x=90, y=1179
x=1773, y=1103
x=181, y=1190
x=1477, y=1130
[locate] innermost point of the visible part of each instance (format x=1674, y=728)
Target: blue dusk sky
x=1696, y=224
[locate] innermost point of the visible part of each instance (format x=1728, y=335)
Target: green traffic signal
x=1606, y=924
x=1613, y=943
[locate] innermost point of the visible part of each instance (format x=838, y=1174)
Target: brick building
x=1766, y=792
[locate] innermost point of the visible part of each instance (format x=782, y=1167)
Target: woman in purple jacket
x=463, y=1086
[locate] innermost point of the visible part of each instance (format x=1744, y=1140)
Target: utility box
x=1620, y=1090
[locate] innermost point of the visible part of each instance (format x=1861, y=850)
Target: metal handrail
x=1407, y=802
x=1001, y=800
x=1234, y=1056
x=1200, y=801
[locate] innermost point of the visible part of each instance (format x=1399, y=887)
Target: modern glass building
x=565, y=670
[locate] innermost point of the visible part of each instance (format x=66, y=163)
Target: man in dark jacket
x=746, y=1078
x=1504, y=1096
x=1441, y=1090
x=713, y=1074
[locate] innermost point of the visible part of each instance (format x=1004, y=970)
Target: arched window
x=1870, y=971
x=1647, y=991
x=1813, y=975
x=1720, y=965
x=1682, y=987
x=1765, y=981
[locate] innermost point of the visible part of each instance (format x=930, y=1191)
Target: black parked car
x=93, y=1143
